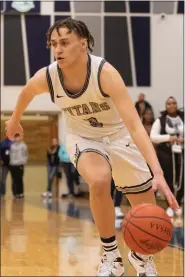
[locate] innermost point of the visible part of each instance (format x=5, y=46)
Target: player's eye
x=53, y=44
x=65, y=43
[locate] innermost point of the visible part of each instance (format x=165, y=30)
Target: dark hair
x=145, y=111
x=170, y=97
x=74, y=25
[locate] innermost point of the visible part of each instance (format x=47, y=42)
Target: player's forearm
x=23, y=101
x=145, y=146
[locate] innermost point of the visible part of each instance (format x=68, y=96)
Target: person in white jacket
x=168, y=133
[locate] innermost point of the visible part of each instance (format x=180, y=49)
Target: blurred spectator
x=70, y=172
x=18, y=158
x=117, y=200
x=5, y=160
x=148, y=120
x=76, y=180
x=142, y=104
x=168, y=133
x=52, y=166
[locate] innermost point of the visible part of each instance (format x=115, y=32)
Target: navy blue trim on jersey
x=50, y=85
x=99, y=84
x=78, y=154
x=136, y=189
x=76, y=95
x=91, y=150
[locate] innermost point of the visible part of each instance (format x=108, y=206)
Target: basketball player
x=105, y=134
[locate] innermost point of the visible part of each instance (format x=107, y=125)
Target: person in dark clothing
x=52, y=165
x=5, y=163
x=148, y=120
x=117, y=197
x=71, y=173
x=18, y=159
x=168, y=133
x=142, y=104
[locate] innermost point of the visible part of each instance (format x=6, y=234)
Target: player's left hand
x=159, y=182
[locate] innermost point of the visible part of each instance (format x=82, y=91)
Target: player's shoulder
x=52, y=66
x=107, y=67
x=104, y=65
x=95, y=58
x=109, y=71
x=38, y=81
x=42, y=73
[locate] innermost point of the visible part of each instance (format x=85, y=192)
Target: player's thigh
x=91, y=161
x=142, y=197
x=129, y=169
x=94, y=169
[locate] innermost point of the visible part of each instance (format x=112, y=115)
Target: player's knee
x=100, y=185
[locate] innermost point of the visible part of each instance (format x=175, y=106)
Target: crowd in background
x=14, y=156
x=166, y=132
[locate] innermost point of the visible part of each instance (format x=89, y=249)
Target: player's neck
x=77, y=68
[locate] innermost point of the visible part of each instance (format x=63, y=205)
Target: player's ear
x=84, y=44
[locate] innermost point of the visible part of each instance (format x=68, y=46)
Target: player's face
x=67, y=47
x=171, y=106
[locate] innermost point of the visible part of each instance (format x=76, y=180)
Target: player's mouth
x=59, y=59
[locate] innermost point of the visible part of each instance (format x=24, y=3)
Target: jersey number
x=94, y=122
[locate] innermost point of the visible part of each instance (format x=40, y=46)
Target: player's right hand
x=159, y=182
x=12, y=128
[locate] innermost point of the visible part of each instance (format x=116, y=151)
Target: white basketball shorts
x=130, y=172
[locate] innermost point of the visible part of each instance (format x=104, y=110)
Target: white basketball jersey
x=90, y=113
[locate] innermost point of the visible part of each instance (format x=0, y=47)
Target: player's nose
x=59, y=50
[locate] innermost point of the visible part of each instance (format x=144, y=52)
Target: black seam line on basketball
x=153, y=217
x=99, y=83
x=139, y=184
x=130, y=217
x=146, y=231
x=148, y=204
x=136, y=192
x=85, y=84
x=98, y=152
x=131, y=214
x=50, y=85
x=137, y=243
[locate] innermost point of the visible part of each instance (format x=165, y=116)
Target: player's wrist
x=158, y=173
x=14, y=119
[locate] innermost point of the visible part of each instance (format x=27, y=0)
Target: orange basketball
x=147, y=229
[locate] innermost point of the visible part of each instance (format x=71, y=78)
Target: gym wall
x=142, y=39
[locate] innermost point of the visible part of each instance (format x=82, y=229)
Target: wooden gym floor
x=59, y=238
